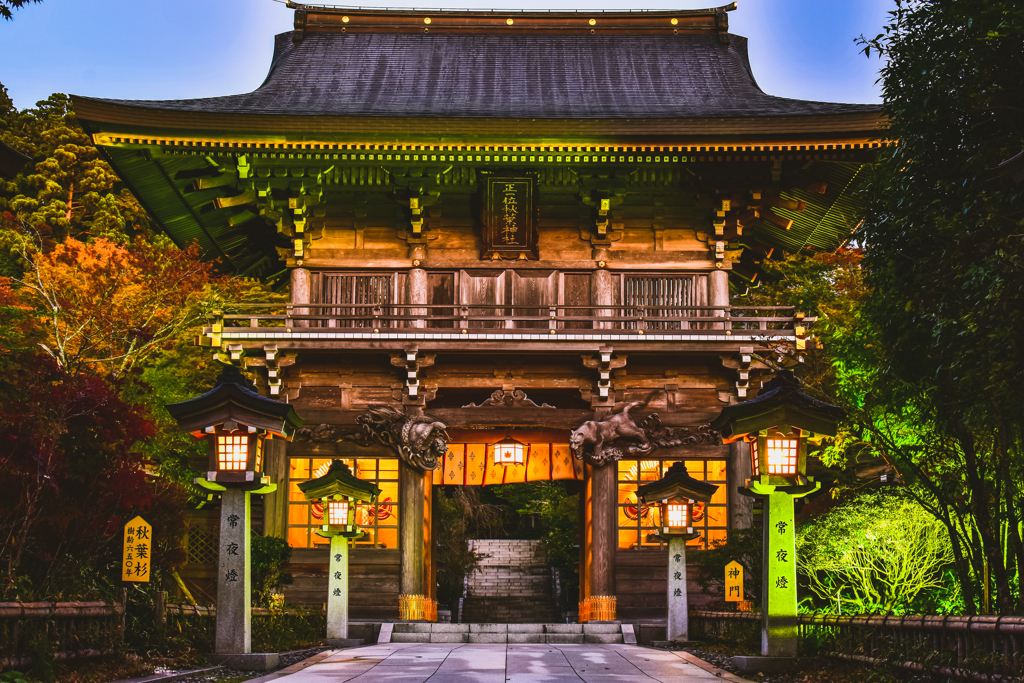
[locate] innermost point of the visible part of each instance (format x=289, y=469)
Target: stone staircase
x=512, y=585
x=561, y=634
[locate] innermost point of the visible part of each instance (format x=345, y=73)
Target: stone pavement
x=525, y=663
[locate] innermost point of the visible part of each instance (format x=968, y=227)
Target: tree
x=7, y=5
x=114, y=305
x=944, y=259
x=69, y=190
x=878, y=553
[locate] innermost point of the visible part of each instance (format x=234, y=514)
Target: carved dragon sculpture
x=420, y=441
x=592, y=441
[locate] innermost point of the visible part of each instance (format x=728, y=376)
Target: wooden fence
x=979, y=648
x=70, y=629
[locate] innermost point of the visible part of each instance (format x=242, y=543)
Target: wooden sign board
x=138, y=547
x=510, y=229
x=734, y=582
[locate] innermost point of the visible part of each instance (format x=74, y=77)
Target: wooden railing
x=981, y=648
x=561, y=320
x=71, y=629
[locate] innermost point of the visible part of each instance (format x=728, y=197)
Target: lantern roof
x=677, y=483
x=339, y=480
x=234, y=398
x=780, y=402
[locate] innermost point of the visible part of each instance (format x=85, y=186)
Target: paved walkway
x=528, y=663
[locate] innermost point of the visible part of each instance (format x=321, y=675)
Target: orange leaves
x=115, y=304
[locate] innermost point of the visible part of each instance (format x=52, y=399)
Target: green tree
x=944, y=260
x=878, y=553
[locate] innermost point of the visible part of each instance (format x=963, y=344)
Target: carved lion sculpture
x=588, y=441
x=421, y=441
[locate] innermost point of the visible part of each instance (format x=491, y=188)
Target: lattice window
x=667, y=296
x=202, y=545
x=376, y=290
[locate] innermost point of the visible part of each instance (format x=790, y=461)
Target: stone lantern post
x=675, y=494
x=235, y=421
x=778, y=424
x=338, y=490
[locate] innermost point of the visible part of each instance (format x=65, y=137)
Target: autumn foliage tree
x=97, y=312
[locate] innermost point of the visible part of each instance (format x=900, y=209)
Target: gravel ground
x=810, y=670
x=232, y=675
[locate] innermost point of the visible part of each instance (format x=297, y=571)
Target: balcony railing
x=275, y=322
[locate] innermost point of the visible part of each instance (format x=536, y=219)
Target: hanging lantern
x=508, y=451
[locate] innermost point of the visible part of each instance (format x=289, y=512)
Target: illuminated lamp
x=338, y=490
x=675, y=494
x=508, y=451
x=234, y=420
x=778, y=424
x=676, y=516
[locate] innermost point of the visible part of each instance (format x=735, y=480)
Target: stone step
x=563, y=634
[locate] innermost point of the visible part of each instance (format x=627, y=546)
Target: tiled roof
x=543, y=76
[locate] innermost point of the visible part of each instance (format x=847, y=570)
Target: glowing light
x=337, y=513
x=233, y=452
x=781, y=456
x=322, y=470
x=676, y=515
x=508, y=451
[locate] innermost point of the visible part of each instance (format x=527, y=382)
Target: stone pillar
x=602, y=294
x=416, y=293
x=604, y=525
x=275, y=505
x=410, y=529
x=779, y=616
x=234, y=616
x=718, y=291
x=678, y=600
x=337, y=589
x=300, y=294
x=738, y=471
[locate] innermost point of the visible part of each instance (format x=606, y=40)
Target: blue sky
x=170, y=49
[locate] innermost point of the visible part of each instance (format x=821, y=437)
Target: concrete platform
x=342, y=642
x=500, y=663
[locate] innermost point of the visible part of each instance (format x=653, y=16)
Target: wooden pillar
x=604, y=534
x=275, y=505
x=416, y=293
x=411, y=485
x=602, y=294
x=300, y=294
x=584, y=567
x=718, y=292
x=738, y=471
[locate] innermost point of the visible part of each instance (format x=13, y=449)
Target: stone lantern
x=675, y=494
x=338, y=490
x=779, y=424
x=235, y=421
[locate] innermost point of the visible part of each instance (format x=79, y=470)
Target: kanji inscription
x=509, y=229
